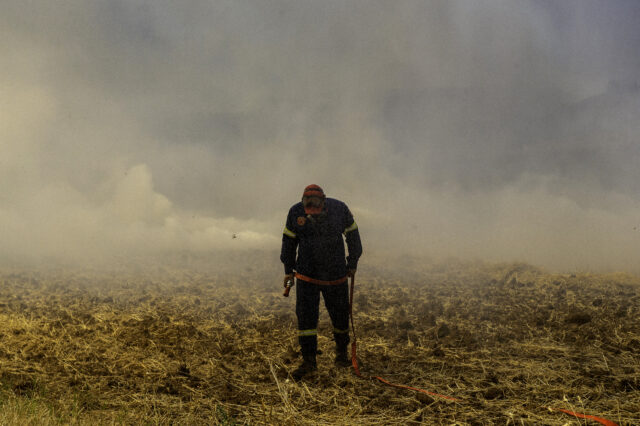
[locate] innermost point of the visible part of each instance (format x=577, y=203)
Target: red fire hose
x=354, y=362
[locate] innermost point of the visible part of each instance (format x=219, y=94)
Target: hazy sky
x=505, y=130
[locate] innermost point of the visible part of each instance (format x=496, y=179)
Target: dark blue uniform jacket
x=319, y=242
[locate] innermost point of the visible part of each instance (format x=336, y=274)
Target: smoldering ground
x=499, y=130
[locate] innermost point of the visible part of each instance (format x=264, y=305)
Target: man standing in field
x=315, y=229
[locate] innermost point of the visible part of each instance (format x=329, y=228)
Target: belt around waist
x=320, y=282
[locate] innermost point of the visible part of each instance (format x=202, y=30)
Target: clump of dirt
x=578, y=318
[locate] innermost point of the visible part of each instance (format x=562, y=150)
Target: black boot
x=342, y=357
x=307, y=367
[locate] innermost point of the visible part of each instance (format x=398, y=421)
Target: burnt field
x=171, y=345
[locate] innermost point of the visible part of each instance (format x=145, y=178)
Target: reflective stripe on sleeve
x=289, y=233
x=339, y=331
x=311, y=332
x=353, y=227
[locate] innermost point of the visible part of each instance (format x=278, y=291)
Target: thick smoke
x=503, y=130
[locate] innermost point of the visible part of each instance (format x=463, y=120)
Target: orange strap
x=587, y=416
x=354, y=362
x=450, y=398
x=319, y=282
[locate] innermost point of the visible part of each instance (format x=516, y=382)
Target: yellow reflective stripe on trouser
x=353, y=227
x=288, y=232
x=338, y=331
x=311, y=332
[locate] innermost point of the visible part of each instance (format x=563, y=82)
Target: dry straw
x=174, y=346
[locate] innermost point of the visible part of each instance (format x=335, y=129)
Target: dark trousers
x=336, y=299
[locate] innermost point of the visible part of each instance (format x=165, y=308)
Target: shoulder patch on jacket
x=302, y=220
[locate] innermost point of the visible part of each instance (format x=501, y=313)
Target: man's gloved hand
x=287, y=278
x=351, y=273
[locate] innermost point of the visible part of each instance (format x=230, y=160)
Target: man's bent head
x=313, y=199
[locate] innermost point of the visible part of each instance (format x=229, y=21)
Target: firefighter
x=315, y=228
